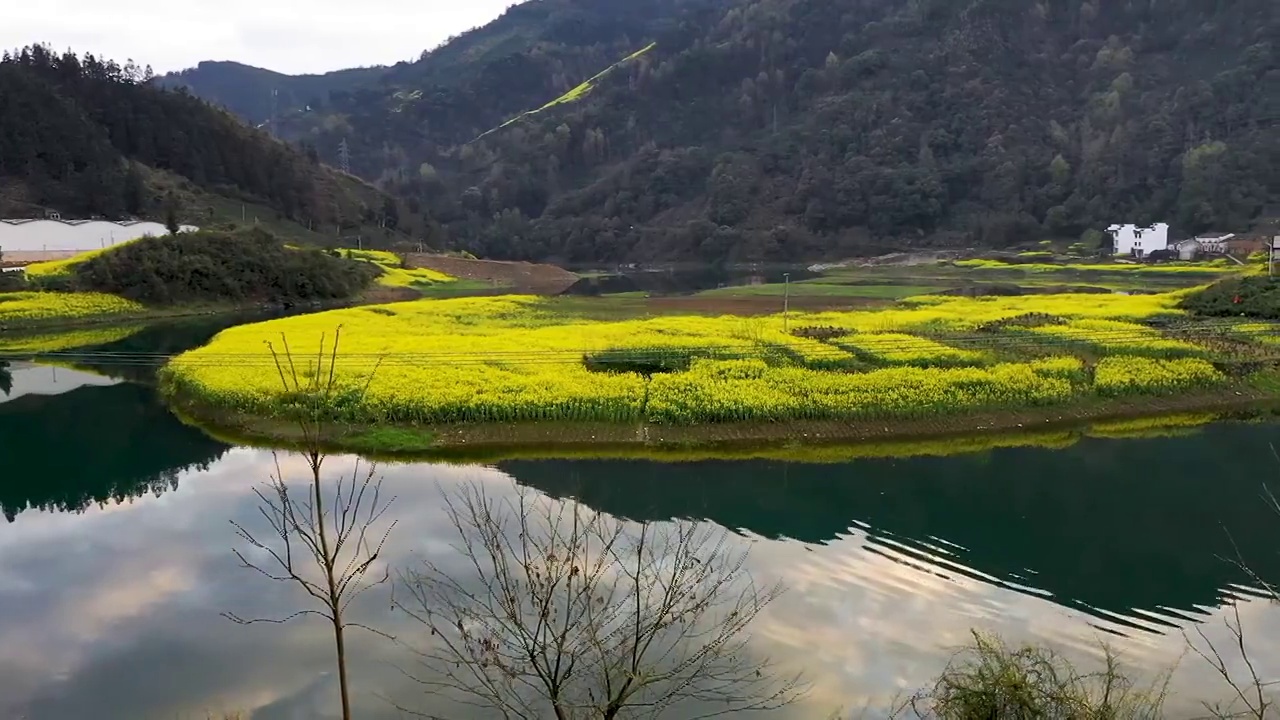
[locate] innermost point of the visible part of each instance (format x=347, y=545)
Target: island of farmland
x=432, y=373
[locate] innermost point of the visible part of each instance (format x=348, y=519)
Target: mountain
x=608, y=130
x=85, y=136
x=256, y=95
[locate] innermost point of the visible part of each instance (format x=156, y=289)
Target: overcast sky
x=291, y=36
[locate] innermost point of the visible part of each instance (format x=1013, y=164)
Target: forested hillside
x=248, y=91
x=86, y=136
x=802, y=128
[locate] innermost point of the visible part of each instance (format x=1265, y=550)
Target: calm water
x=685, y=280
x=115, y=558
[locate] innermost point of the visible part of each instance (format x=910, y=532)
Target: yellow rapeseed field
x=516, y=358
x=53, y=269
x=1114, y=337
x=963, y=313
x=54, y=342
x=24, y=307
x=1166, y=268
x=903, y=349
x=1127, y=375
x=394, y=274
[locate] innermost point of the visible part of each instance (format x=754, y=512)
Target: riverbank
x=801, y=441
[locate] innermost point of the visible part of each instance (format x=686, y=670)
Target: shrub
x=1257, y=296
x=991, y=680
x=220, y=267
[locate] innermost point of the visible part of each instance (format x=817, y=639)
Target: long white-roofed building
x=34, y=240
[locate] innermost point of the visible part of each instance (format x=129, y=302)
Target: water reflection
x=69, y=440
x=22, y=379
x=114, y=612
x=1128, y=530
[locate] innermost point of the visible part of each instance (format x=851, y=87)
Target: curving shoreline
x=798, y=441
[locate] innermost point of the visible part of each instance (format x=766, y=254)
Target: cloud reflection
x=114, y=613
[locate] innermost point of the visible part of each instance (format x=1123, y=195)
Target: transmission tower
x=272, y=122
x=344, y=157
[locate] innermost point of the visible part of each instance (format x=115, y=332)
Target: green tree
x=171, y=220
x=134, y=191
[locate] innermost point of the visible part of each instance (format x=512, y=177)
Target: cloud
x=288, y=36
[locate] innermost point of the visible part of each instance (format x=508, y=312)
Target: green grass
x=390, y=439
x=809, y=288
x=455, y=288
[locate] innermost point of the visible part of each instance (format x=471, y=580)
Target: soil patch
x=381, y=295
x=515, y=277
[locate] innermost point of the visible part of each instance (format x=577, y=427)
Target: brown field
x=516, y=277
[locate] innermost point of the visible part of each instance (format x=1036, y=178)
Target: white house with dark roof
x=1137, y=241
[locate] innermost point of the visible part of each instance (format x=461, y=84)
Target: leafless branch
x=1252, y=690
x=324, y=541
x=569, y=613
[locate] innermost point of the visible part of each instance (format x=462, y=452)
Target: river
x=116, y=558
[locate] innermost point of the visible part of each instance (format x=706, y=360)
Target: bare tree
x=1252, y=691
x=566, y=612
x=325, y=542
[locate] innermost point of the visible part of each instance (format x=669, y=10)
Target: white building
x=1136, y=242
x=68, y=237
x=1216, y=243
x=1189, y=249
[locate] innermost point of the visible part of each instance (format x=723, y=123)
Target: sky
x=289, y=36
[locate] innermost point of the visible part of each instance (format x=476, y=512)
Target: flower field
x=394, y=274
x=24, y=307
x=903, y=349
x=27, y=343
x=1207, y=268
x=56, y=269
x=521, y=358
x=1115, y=337
x=1128, y=375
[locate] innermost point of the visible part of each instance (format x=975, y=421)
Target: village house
x=1215, y=243
x=1211, y=244
x=1134, y=241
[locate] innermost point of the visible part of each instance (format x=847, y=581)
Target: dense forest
x=256, y=95
x=88, y=137
x=759, y=129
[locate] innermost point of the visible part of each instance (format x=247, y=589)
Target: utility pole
x=272, y=121
x=344, y=157
x=786, y=301
x=1271, y=256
